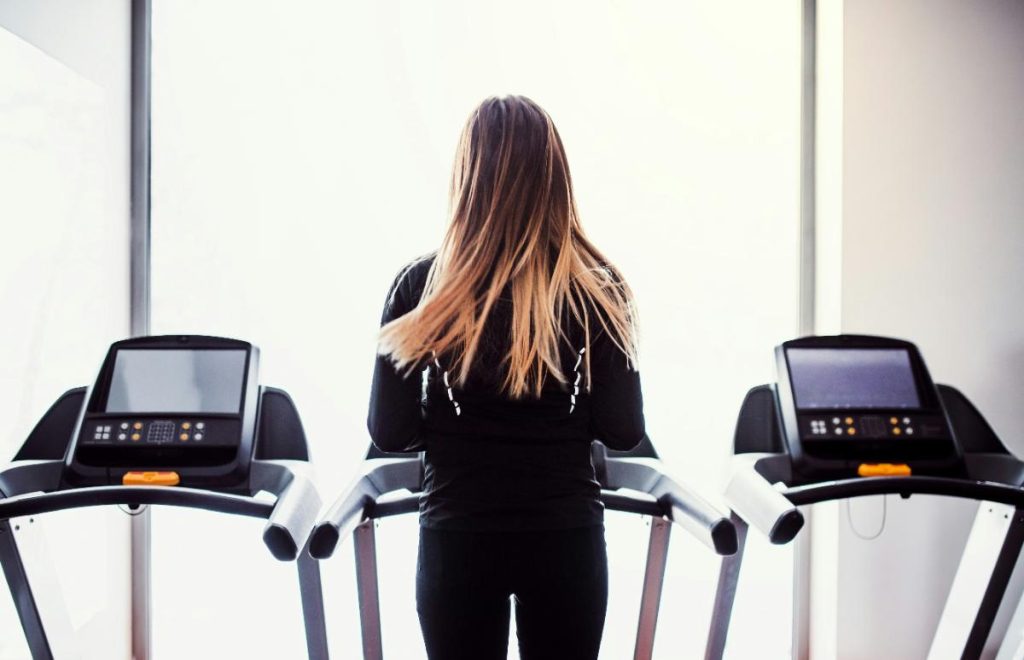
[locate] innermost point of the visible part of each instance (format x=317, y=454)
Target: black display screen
x=178, y=381
x=830, y=378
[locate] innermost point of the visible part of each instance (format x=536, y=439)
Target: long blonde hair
x=514, y=226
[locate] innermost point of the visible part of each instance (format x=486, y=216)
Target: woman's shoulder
x=413, y=275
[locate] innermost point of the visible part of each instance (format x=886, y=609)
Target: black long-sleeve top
x=493, y=463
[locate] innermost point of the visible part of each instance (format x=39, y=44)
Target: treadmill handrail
x=381, y=476
x=31, y=504
x=33, y=487
x=758, y=502
x=377, y=476
x=683, y=506
x=295, y=511
x=987, y=491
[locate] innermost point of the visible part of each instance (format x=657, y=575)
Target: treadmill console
x=850, y=400
x=180, y=404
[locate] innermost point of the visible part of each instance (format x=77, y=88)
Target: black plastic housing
x=223, y=464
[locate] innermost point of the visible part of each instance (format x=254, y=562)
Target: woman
x=502, y=357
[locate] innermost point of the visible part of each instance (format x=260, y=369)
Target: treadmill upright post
x=313, y=615
x=24, y=598
x=993, y=547
x=725, y=594
x=654, y=580
x=366, y=584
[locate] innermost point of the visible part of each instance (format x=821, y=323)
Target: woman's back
x=493, y=462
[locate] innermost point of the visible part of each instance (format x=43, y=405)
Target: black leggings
x=465, y=580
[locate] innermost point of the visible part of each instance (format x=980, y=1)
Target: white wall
x=932, y=227
x=64, y=277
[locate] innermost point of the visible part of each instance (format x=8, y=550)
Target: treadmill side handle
x=377, y=476
x=295, y=512
x=757, y=502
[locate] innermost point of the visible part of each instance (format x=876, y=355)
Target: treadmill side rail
x=377, y=476
x=752, y=496
x=686, y=508
x=297, y=507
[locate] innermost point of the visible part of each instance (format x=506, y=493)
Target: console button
x=198, y=436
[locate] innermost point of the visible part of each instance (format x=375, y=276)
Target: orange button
x=896, y=431
x=186, y=425
x=136, y=437
x=183, y=436
x=848, y=420
x=851, y=431
x=894, y=421
x=150, y=479
x=883, y=470
x=137, y=426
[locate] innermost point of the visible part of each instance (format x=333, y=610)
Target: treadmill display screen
x=830, y=378
x=179, y=381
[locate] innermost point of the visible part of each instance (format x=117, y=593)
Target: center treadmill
x=634, y=482
x=855, y=415
x=177, y=421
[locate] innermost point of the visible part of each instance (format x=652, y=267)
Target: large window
x=301, y=157
x=63, y=289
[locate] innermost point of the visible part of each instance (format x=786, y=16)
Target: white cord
x=881, y=525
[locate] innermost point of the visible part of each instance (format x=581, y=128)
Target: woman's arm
x=616, y=402
x=395, y=408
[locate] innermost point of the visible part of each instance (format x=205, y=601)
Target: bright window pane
x=64, y=291
x=301, y=157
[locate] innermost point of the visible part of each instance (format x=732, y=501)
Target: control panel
x=164, y=431
x=871, y=426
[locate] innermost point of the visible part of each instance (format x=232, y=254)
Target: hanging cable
x=881, y=525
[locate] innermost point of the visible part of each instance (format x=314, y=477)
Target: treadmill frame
x=355, y=512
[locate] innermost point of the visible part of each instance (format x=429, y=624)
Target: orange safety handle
x=150, y=479
x=883, y=470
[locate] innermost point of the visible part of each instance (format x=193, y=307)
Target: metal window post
x=139, y=259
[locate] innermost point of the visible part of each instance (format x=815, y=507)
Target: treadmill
x=176, y=421
x=390, y=484
x=856, y=415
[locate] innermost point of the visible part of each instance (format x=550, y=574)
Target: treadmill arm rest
x=702, y=519
x=298, y=503
x=343, y=515
x=755, y=500
x=378, y=476
x=682, y=505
